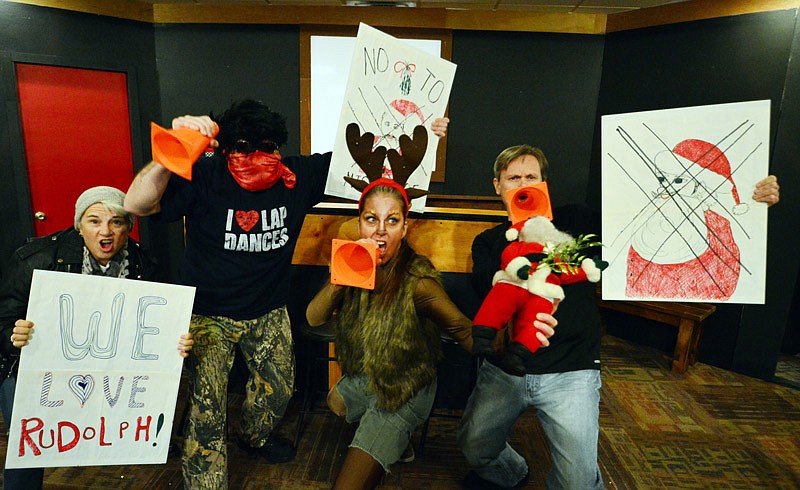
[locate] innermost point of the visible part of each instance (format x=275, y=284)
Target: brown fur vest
x=385, y=339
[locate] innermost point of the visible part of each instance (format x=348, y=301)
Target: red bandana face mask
x=258, y=171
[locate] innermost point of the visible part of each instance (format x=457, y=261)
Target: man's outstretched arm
x=144, y=195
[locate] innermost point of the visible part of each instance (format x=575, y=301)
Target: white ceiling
x=555, y=6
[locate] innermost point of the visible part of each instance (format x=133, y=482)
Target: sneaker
x=276, y=450
x=408, y=455
x=473, y=481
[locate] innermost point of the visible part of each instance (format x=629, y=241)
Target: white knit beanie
x=97, y=194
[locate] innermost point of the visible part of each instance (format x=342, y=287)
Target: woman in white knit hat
x=97, y=244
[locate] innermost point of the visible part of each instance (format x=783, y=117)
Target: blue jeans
x=23, y=478
x=568, y=406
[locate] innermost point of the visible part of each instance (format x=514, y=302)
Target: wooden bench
x=688, y=317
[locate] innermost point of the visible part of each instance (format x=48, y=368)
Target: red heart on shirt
x=247, y=219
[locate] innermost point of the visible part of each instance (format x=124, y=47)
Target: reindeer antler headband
x=384, y=182
x=402, y=163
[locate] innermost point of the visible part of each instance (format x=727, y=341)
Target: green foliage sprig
x=566, y=257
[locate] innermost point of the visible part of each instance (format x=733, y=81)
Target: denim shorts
x=381, y=434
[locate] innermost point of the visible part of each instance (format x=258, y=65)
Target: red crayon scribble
x=406, y=107
x=712, y=275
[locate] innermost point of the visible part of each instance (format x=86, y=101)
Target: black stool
x=315, y=338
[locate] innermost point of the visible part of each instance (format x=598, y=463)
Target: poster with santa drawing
x=98, y=380
x=392, y=89
x=679, y=222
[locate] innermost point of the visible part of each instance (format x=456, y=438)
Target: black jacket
x=62, y=252
x=576, y=344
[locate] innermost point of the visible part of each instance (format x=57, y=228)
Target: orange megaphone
x=353, y=263
x=178, y=149
x=526, y=202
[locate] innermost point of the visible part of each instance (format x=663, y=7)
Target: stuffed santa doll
x=534, y=265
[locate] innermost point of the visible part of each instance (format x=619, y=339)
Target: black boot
x=515, y=359
x=276, y=450
x=482, y=338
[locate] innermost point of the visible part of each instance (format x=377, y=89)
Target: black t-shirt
x=576, y=343
x=239, y=244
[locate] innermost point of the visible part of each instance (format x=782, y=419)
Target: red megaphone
x=178, y=149
x=353, y=263
x=526, y=202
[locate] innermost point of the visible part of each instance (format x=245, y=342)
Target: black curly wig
x=252, y=121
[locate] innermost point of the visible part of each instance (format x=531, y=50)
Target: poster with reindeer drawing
x=98, y=380
x=394, y=92
x=679, y=222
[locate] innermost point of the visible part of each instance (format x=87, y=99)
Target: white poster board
x=679, y=222
x=98, y=381
x=392, y=88
x=330, y=67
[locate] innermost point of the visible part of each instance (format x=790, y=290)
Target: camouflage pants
x=266, y=343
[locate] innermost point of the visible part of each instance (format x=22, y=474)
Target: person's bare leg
x=359, y=471
x=336, y=403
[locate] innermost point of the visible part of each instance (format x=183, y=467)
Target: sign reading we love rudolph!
x=98, y=381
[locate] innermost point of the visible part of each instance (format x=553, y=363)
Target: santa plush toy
x=527, y=285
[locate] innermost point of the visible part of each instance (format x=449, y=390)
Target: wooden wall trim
x=121, y=9
x=425, y=18
x=469, y=206
x=522, y=21
x=305, y=90
x=692, y=10
x=468, y=202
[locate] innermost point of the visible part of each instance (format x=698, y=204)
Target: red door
x=77, y=134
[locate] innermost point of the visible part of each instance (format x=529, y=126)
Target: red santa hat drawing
x=708, y=156
x=406, y=107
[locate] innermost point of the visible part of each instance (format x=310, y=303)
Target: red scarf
x=258, y=171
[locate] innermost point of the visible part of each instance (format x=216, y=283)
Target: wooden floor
x=708, y=429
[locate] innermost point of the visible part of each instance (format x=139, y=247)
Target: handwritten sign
x=392, y=88
x=98, y=381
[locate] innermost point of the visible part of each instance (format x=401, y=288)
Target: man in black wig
x=243, y=210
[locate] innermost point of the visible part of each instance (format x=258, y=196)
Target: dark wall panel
x=515, y=88
x=52, y=36
x=730, y=59
x=716, y=61
x=759, y=340
x=204, y=68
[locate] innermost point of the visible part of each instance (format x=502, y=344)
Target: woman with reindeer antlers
x=387, y=355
